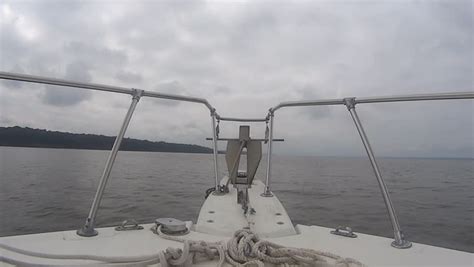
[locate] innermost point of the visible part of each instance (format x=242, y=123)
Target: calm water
x=52, y=189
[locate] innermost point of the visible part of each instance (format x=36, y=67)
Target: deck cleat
x=171, y=226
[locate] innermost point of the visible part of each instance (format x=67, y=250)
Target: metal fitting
x=270, y=114
x=267, y=193
x=350, y=102
x=344, y=231
x=87, y=230
x=400, y=241
x=128, y=225
x=214, y=113
x=171, y=226
x=137, y=93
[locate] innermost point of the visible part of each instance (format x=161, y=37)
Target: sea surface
x=52, y=189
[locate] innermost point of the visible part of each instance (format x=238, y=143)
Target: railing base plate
x=401, y=245
x=87, y=232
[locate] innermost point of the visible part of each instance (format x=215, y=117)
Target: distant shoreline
x=39, y=138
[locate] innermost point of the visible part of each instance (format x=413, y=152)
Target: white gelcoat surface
x=370, y=250
x=221, y=215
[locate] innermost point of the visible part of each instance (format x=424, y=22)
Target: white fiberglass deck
x=370, y=250
x=220, y=215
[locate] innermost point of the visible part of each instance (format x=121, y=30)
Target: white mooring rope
x=243, y=249
x=246, y=249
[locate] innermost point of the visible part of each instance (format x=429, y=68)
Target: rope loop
x=242, y=250
x=246, y=249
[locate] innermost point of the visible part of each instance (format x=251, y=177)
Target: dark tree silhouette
x=28, y=137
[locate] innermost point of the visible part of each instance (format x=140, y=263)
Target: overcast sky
x=245, y=57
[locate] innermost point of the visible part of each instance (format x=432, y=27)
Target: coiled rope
x=243, y=249
x=246, y=249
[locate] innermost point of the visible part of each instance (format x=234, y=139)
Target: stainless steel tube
x=420, y=97
x=268, y=192
x=88, y=228
x=215, y=148
x=399, y=242
x=380, y=99
x=308, y=103
x=60, y=82
x=98, y=87
x=242, y=119
x=179, y=98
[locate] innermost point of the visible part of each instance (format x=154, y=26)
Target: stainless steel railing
x=88, y=228
x=99, y=87
x=242, y=119
x=350, y=103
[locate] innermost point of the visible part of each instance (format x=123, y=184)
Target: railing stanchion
x=400, y=241
x=268, y=192
x=88, y=228
x=215, y=148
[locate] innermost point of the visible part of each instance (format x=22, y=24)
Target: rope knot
x=174, y=253
x=246, y=249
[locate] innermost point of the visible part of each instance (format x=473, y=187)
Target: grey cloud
x=5, y=120
x=78, y=71
x=69, y=96
x=169, y=87
x=96, y=55
x=221, y=89
x=13, y=84
x=13, y=45
x=246, y=57
x=63, y=97
x=128, y=76
x=312, y=93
